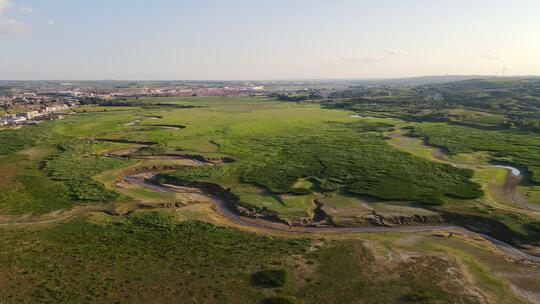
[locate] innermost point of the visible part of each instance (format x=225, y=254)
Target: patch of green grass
x=281, y=300
x=192, y=174
x=148, y=195
x=26, y=189
x=296, y=206
x=106, y=262
x=14, y=140
x=76, y=164
x=345, y=272
x=264, y=201
x=154, y=219
x=78, y=261
x=353, y=158
x=91, y=124
x=521, y=148
x=421, y=297
x=483, y=264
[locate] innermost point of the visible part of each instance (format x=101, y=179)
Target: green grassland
x=60, y=176
x=286, y=156
x=494, y=204
x=517, y=147
x=14, y=140
x=275, y=146
x=353, y=158
x=25, y=188
x=76, y=164
x=493, y=103
x=148, y=258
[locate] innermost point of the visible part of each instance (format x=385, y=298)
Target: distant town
x=28, y=103
x=31, y=108
x=33, y=103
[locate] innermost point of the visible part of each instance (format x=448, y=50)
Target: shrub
x=281, y=300
x=301, y=191
x=535, y=226
x=420, y=297
x=190, y=174
x=152, y=220
x=270, y=278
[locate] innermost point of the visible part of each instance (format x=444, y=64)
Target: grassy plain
x=276, y=146
x=148, y=258
x=517, y=147
x=287, y=155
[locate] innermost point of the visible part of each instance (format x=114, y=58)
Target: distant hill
x=422, y=80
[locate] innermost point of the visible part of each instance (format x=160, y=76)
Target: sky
x=266, y=40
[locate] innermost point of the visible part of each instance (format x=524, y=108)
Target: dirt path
x=53, y=217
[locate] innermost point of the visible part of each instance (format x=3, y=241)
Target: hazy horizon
x=281, y=40
x=277, y=79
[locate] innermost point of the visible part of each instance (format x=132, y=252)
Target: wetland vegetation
x=422, y=157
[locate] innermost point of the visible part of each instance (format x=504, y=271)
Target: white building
x=16, y=121
x=31, y=114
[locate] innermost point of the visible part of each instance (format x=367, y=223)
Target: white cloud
x=51, y=23
x=369, y=58
x=25, y=9
x=396, y=52
x=490, y=56
x=11, y=26
x=4, y=4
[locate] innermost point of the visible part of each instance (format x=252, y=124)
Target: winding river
x=513, y=171
x=513, y=179
x=224, y=210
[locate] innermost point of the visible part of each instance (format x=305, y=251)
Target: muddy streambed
x=227, y=209
x=513, y=171
x=224, y=209
x=513, y=179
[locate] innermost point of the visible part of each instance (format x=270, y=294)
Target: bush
x=190, y=174
x=535, y=226
x=270, y=278
x=301, y=191
x=152, y=220
x=420, y=297
x=281, y=300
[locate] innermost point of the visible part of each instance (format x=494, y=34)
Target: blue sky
x=248, y=39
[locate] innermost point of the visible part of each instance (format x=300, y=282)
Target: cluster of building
x=204, y=91
x=72, y=93
x=177, y=91
x=36, y=116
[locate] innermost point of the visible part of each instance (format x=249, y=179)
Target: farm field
x=182, y=198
